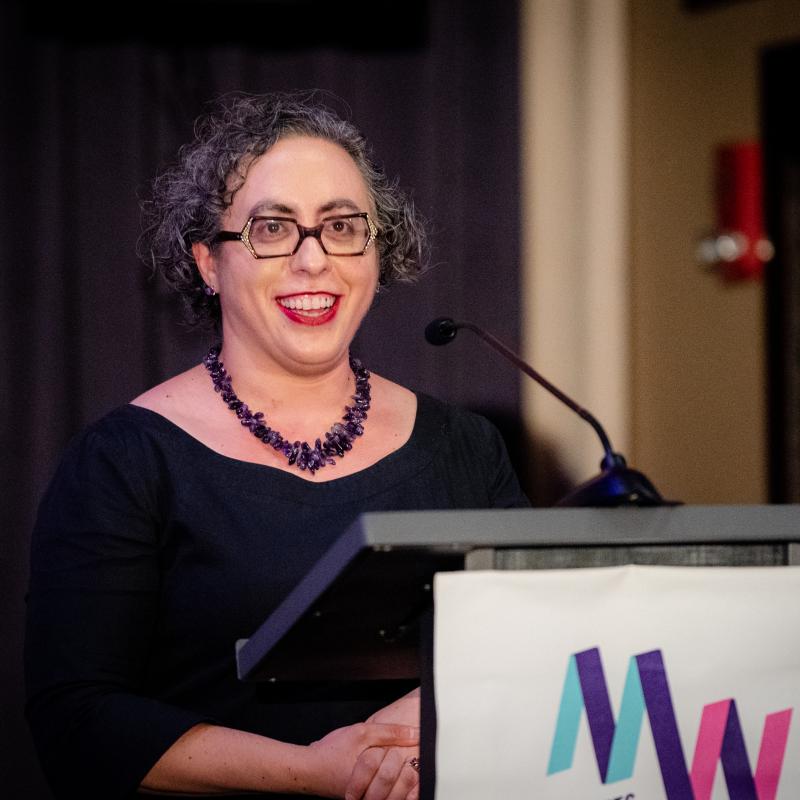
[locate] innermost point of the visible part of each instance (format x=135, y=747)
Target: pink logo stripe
x=770, y=756
x=708, y=748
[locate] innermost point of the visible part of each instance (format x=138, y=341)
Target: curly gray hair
x=189, y=199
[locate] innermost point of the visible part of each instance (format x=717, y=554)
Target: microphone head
x=441, y=331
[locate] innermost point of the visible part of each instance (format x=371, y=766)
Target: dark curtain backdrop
x=87, y=120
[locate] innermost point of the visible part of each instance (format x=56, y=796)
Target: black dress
x=153, y=554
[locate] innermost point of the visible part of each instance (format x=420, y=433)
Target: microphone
x=441, y=331
x=617, y=484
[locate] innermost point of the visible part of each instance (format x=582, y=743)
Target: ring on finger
x=413, y=763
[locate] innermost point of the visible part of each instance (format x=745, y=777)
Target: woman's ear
x=206, y=264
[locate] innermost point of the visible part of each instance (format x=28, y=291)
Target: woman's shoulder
x=133, y=438
x=126, y=441
x=110, y=464
x=155, y=412
x=454, y=420
x=467, y=451
x=180, y=399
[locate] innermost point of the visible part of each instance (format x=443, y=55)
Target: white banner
x=625, y=683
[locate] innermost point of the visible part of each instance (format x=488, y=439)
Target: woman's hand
x=334, y=758
x=404, y=711
x=384, y=773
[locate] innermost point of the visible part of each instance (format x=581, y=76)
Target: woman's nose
x=310, y=257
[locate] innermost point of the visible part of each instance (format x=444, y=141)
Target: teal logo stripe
x=629, y=727
x=569, y=716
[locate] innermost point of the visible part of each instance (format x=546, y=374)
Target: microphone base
x=615, y=487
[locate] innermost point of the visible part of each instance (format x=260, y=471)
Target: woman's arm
x=404, y=711
x=210, y=758
x=93, y=608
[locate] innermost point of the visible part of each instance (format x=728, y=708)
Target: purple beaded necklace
x=338, y=440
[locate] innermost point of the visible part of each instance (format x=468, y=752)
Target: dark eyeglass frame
x=244, y=235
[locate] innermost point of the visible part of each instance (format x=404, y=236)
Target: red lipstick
x=317, y=317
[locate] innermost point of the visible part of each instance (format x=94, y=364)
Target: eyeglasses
x=273, y=237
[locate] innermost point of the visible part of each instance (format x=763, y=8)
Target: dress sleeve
x=504, y=488
x=480, y=456
x=92, y=610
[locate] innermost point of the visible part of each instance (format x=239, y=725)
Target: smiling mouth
x=308, y=302
x=310, y=309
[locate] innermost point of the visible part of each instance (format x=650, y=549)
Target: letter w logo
x=719, y=739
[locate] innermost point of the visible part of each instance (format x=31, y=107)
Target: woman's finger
x=384, y=734
x=407, y=782
x=390, y=779
x=383, y=774
x=414, y=793
x=367, y=764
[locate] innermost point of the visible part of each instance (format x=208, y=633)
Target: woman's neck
x=304, y=398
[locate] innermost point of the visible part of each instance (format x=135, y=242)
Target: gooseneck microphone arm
x=617, y=484
x=443, y=330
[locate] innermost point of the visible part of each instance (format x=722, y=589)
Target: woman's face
x=263, y=300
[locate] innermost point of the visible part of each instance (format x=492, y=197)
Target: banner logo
x=646, y=688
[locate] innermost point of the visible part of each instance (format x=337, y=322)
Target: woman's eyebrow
x=269, y=205
x=336, y=205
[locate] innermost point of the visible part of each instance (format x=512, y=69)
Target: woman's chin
x=315, y=358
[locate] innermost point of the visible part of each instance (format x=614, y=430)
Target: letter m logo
x=719, y=739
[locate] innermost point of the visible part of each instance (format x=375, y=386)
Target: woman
x=178, y=522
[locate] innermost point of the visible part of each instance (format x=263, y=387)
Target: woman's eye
x=268, y=229
x=341, y=227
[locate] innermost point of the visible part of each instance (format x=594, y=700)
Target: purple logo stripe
x=735, y=763
x=597, y=705
x=664, y=726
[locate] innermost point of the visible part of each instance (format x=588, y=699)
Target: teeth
x=307, y=302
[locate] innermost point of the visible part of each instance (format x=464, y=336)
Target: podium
x=364, y=612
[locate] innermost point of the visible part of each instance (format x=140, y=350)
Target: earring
x=209, y=291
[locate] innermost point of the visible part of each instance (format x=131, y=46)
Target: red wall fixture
x=739, y=247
